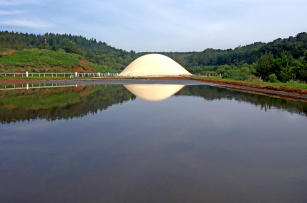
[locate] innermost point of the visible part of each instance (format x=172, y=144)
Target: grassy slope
x=46, y=61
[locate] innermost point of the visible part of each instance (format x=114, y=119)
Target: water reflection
x=204, y=144
x=35, y=101
x=154, y=92
x=28, y=86
x=59, y=103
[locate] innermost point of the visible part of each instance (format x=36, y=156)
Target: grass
x=43, y=60
x=40, y=57
x=101, y=69
x=279, y=84
x=3, y=49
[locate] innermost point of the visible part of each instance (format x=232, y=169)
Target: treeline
x=269, y=68
x=96, y=51
x=281, y=59
x=296, y=46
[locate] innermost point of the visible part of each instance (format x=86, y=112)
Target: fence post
x=76, y=74
x=27, y=74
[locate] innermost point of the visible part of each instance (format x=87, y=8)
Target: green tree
x=71, y=47
x=265, y=66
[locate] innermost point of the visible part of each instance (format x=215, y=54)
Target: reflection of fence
x=32, y=86
x=58, y=75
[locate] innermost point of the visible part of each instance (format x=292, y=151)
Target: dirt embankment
x=87, y=65
x=259, y=86
x=84, y=68
x=8, y=52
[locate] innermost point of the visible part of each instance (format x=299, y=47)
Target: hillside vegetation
x=96, y=52
x=280, y=60
x=44, y=60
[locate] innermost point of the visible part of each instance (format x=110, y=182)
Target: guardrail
x=81, y=75
x=56, y=75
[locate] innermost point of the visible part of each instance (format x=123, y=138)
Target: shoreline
x=270, y=90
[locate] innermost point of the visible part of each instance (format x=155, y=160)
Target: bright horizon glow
x=156, y=26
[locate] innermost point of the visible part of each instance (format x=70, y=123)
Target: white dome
x=154, y=65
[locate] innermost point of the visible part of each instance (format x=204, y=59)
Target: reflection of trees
x=265, y=102
x=60, y=103
x=65, y=103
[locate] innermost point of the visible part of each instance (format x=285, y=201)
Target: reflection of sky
x=160, y=25
x=196, y=148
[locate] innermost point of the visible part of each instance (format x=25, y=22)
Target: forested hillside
x=295, y=46
x=96, y=52
x=281, y=59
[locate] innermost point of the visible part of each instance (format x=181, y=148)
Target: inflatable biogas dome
x=154, y=65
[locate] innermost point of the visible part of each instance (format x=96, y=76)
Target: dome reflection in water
x=153, y=92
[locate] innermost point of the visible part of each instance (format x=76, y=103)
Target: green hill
x=44, y=60
x=95, y=52
x=296, y=46
x=281, y=59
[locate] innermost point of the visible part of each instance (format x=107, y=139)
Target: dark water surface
x=101, y=143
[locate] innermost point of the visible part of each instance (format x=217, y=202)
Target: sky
x=160, y=25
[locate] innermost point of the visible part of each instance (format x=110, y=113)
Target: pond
x=171, y=141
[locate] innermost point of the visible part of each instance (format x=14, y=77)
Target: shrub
x=272, y=77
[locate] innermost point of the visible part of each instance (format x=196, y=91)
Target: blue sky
x=157, y=25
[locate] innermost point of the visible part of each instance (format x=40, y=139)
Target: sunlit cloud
x=12, y=12
x=17, y=2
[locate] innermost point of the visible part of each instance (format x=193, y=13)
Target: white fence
x=58, y=75
x=80, y=75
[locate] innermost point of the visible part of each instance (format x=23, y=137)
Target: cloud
x=37, y=24
x=160, y=25
x=11, y=12
x=16, y=2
